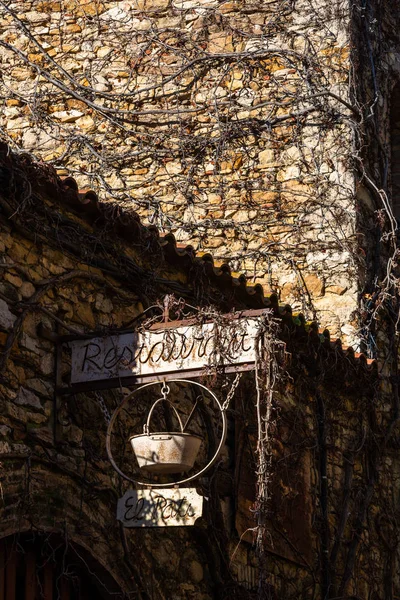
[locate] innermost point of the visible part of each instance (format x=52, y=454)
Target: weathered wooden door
x=30, y=570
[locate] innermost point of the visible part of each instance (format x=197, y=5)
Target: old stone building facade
x=253, y=139
x=229, y=124
x=74, y=266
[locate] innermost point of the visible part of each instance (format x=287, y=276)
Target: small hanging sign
x=166, y=507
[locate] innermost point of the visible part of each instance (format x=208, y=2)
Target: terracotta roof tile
x=174, y=252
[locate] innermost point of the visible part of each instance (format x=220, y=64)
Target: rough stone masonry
x=228, y=123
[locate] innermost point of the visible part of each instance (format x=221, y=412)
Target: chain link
x=231, y=392
x=103, y=407
x=165, y=390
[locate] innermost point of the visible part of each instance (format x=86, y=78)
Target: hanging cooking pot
x=164, y=453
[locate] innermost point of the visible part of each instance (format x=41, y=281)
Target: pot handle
x=146, y=426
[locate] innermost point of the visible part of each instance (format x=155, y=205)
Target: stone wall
x=377, y=68
x=55, y=474
x=333, y=480
x=227, y=123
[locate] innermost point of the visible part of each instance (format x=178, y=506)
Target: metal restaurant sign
x=168, y=348
x=159, y=508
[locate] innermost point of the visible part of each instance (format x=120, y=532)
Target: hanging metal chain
x=231, y=392
x=165, y=390
x=103, y=407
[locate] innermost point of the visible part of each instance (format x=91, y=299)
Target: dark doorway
x=44, y=567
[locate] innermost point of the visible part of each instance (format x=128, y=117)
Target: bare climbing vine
x=270, y=369
x=237, y=127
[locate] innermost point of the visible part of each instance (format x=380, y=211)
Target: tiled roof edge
x=43, y=179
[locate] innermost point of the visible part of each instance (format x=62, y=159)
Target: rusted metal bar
x=106, y=384
x=48, y=582
x=48, y=334
x=57, y=338
x=64, y=589
x=30, y=576
x=11, y=571
x=192, y=321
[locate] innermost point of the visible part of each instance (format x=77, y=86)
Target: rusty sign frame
x=127, y=381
